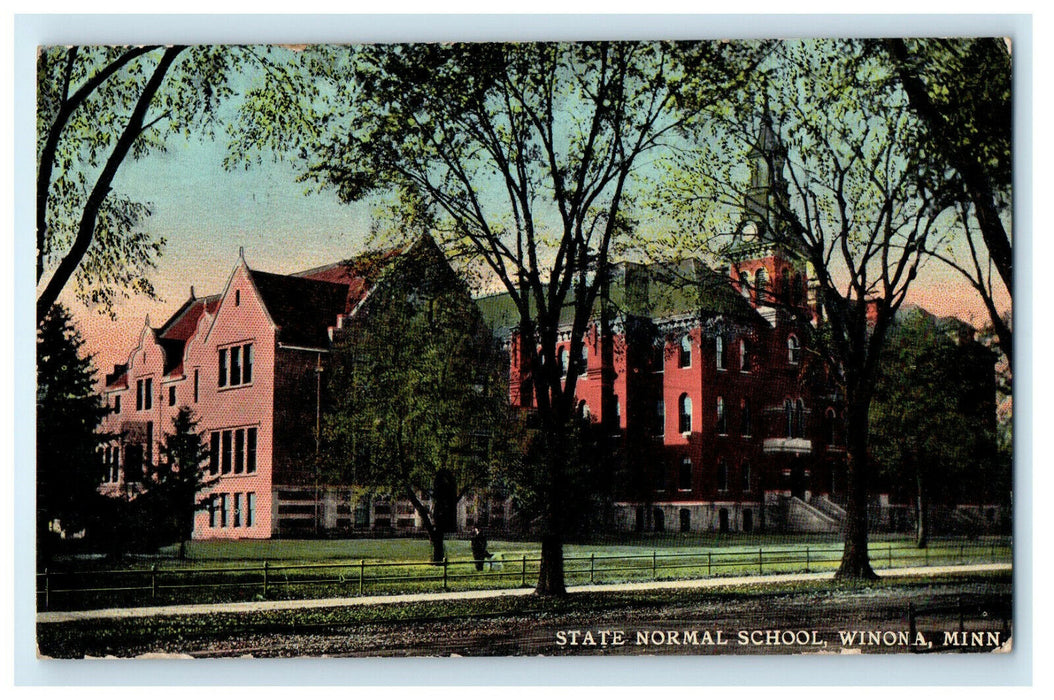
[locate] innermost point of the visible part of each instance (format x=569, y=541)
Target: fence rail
x=88, y=589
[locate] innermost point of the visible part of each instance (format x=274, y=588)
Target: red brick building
x=724, y=420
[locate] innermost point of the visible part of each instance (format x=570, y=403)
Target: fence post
x=47, y=589
x=266, y=567
x=761, y=568
x=709, y=563
x=153, y=581
x=889, y=555
x=523, y=573
x=445, y=573
x=362, y=575
x=591, y=556
x=654, y=564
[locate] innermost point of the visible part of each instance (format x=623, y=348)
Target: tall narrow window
x=660, y=417
x=744, y=418
x=214, y=453
x=722, y=475
x=239, y=451
x=139, y=395
x=223, y=367
x=744, y=285
x=212, y=511
x=744, y=355
x=684, y=405
x=148, y=394
x=788, y=410
x=561, y=356
x=237, y=297
x=197, y=384
x=659, y=357
x=583, y=358
x=250, y=509
x=117, y=403
x=250, y=450
x=171, y=396
x=828, y=427
x=227, y=439
x=236, y=365
x=746, y=476
x=237, y=510
x=684, y=478
x=793, y=350
x=799, y=419
x=761, y=283
x=223, y=509
x=719, y=352
x=247, y=363
x=722, y=424
x=684, y=356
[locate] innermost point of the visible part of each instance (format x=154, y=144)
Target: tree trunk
x=438, y=546
x=551, y=570
x=922, y=518
x=856, y=563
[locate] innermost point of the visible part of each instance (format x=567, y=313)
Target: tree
x=839, y=153
x=523, y=159
x=69, y=412
x=933, y=416
x=98, y=106
x=173, y=484
x=960, y=90
x=416, y=402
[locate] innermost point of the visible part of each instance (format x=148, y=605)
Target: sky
x=207, y=214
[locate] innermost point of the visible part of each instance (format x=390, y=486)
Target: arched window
x=684, y=357
x=744, y=355
x=761, y=283
x=828, y=426
x=719, y=352
x=744, y=418
x=561, y=356
x=722, y=424
x=744, y=285
x=684, y=406
x=583, y=358
x=793, y=349
x=684, y=476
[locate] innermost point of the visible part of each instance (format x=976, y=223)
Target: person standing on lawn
x=479, y=548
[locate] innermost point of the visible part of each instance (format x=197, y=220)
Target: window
x=686, y=520
x=236, y=365
x=793, y=350
x=196, y=385
x=799, y=418
x=223, y=509
x=722, y=475
x=761, y=282
x=744, y=285
x=239, y=451
x=660, y=477
x=659, y=357
x=719, y=352
x=250, y=509
x=171, y=396
x=583, y=358
x=722, y=424
x=250, y=450
x=660, y=417
x=144, y=394
x=744, y=418
x=561, y=357
x=223, y=367
x=117, y=403
x=212, y=511
x=788, y=411
x=828, y=427
x=684, y=413
x=237, y=510
x=226, y=468
x=684, y=477
x=214, y=454
x=237, y=297
x=684, y=356
x=746, y=476
x=744, y=355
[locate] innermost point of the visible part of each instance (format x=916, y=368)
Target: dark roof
x=357, y=274
x=302, y=308
x=184, y=322
x=656, y=291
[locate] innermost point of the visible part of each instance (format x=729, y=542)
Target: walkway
x=271, y=605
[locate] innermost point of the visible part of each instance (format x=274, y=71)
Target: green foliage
x=416, y=389
x=933, y=414
x=69, y=411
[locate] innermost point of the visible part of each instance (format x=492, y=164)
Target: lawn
x=224, y=571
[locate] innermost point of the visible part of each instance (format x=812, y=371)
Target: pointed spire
x=192, y=292
x=241, y=253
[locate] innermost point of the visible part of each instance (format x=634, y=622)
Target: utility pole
x=318, y=432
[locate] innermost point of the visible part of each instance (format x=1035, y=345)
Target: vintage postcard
x=524, y=349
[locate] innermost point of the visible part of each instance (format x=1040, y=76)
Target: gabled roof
x=303, y=309
x=358, y=274
x=184, y=322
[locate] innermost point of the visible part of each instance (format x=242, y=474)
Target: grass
x=217, y=572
